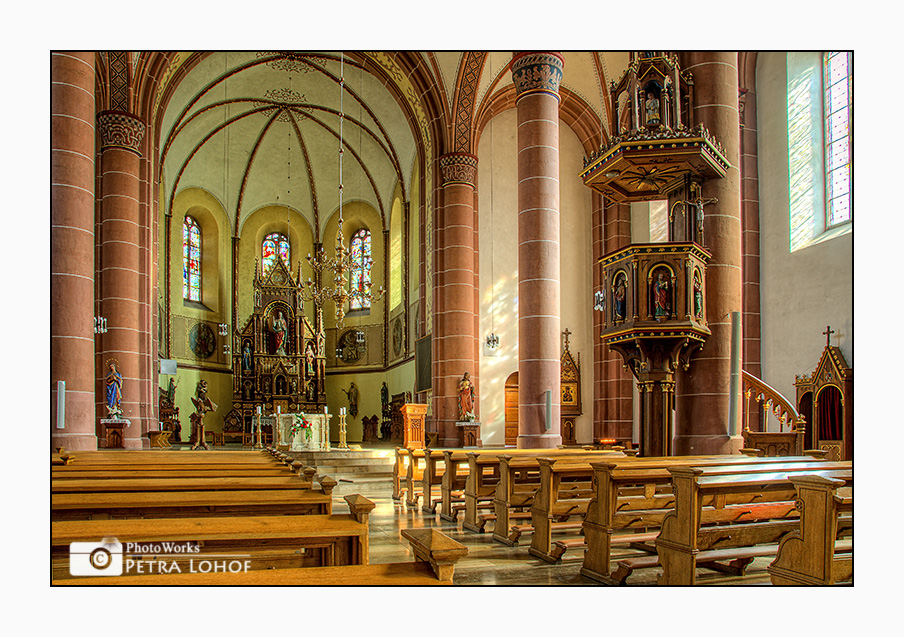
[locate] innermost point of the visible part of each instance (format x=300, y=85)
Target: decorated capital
x=120, y=130
x=537, y=73
x=458, y=168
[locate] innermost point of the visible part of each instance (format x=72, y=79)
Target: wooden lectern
x=413, y=425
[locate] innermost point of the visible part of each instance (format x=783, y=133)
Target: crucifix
x=829, y=331
x=567, y=333
x=697, y=202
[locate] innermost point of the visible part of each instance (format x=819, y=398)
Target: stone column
x=614, y=383
x=72, y=247
x=121, y=135
x=537, y=77
x=702, y=424
x=455, y=292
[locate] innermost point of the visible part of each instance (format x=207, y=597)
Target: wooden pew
x=118, y=458
x=182, y=504
x=519, y=481
x=265, y=541
x=414, y=473
x=177, y=472
x=632, y=496
x=182, y=483
x=813, y=555
x=737, y=534
x=435, y=558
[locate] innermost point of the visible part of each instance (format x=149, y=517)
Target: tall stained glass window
x=837, y=79
x=361, y=263
x=191, y=260
x=273, y=244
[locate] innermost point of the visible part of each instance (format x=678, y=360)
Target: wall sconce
x=599, y=301
x=224, y=329
x=359, y=337
x=492, y=341
x=100, y=325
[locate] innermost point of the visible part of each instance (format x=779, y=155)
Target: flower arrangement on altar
x=301, y=423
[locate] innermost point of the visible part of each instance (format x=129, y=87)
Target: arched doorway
x=511, y=410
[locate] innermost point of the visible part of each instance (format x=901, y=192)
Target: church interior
x=480, y=303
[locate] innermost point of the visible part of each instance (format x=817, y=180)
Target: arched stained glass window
x=837, y=79
x=273, y=244
x=191, y=260
x=361, y=263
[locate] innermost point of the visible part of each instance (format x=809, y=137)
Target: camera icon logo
x=95, y=559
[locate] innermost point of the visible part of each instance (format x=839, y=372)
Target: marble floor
x=492, y=563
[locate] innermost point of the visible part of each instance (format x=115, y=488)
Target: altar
x=318, y=440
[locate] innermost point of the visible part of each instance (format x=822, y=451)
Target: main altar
x=278, y=358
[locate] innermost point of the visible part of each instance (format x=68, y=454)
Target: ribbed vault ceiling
x=258, y=129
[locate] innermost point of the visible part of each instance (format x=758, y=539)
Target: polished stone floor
x=492, y=563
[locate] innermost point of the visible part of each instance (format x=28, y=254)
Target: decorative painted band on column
x=458, y=168
x=120, y=130
x=72, y=173
x=534, y=72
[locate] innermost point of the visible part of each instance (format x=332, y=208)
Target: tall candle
x=278, y=410
x=258, y=410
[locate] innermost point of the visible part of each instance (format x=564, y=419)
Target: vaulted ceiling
x=258, y=129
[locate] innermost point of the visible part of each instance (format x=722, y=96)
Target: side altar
x=278, y=356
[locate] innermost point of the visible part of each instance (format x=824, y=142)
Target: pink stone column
x=72, y=247
x=702, y=402
x=455, y=313
x=537, y=77
x=121, y=268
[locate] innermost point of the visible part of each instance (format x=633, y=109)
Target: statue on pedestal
x=202, y=404
x=114, y=392
x=466, y=395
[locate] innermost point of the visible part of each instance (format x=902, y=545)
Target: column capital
x=120, y=130
x=534, y=72
x=458, y=168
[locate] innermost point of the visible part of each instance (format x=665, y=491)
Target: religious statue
x=651, y=107
x=352, y=393
x=620, y=299
x=202, y=404
x=246, y=357
x=698, y=296
x=114, y=392
x=281, y=328
x=661, y=297
x=466, y=395
x=309, y=359
x=384, y=397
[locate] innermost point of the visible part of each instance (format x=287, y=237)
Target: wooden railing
x=769, y=399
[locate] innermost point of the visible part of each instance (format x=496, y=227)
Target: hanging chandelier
x=341, y=263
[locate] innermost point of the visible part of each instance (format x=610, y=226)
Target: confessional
x=825, y=399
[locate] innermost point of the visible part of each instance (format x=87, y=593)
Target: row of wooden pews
x=261, y=516
x=715, y=512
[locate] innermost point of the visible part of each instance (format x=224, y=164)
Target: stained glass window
x=361, y=264
x=837, y=78
x=191, y=260
x=274, y=243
